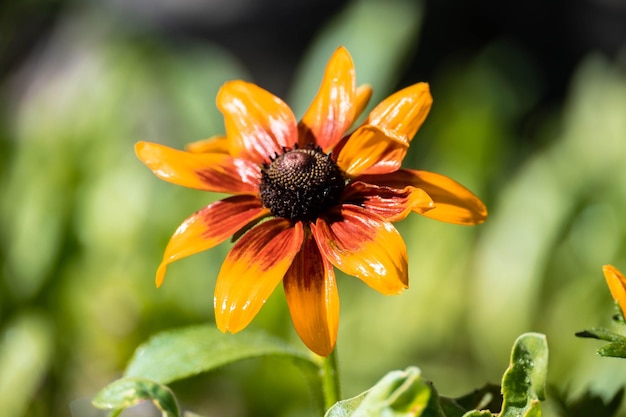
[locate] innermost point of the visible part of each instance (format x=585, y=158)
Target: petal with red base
x=214, y=144
x=251, y=271
x=364, y=245
x=258, y=124
x=389, y=203
x=206, y=171
x=332, y=111
x=209, y=227
x=453, y=202
x=311, y=292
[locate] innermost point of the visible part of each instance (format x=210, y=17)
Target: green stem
x=330, y=379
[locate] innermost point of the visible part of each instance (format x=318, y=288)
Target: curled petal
x=311, y=292
x=332, y=111
x=391, y=204
x=214, y=144
x=370, y=151
x=401, y=114
x=209, y=227
x=207, y=171
x=258, y=124
x=364, y=245
x=251, y=271
x=617, y=285
x=453, y=202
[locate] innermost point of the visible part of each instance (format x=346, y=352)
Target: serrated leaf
x=127, y=392
x=523, y=383
x=177, y=354
x=397, y=394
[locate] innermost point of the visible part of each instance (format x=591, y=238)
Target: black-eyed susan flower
x=617, y=285
x=308, y=197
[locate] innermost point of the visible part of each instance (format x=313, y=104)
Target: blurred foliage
x=84, y=224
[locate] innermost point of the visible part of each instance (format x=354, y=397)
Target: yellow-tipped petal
x=333, y=110
x=453, y=202
x=258, y=124
x=401, y=114
x=210, y=226
x=364, y=245
x=617, y=285
x=363, y=96
x=251, y=271
x=207, y=171
x=389, y=203
x=311, y=292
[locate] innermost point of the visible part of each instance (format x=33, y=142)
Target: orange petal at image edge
x=617, y=285
x=453, y=202
x=364, y=245
x=252, y=269
x=205, y=171
x=258, y=124
x=333, y=109
x=312, y=297
x=210, y=226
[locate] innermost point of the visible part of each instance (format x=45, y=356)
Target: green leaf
x=613, y=350
x=127, y=392
x=176, y=354
x=523, y=384
x=397, y=394
x=602, y=334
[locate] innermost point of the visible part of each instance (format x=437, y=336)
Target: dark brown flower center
x=301, y=184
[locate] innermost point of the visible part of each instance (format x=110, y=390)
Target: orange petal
x=401, y=114
x=370, y=151
x=214, y=144
x=251, y=271
x=311, y=292
x=617, y=285
x=389, y=203
x=364, y=245
x=363, y=96
x=210, y=171
x=210, y=226
x=332, y=111
x=453, y=202
x=258, y=124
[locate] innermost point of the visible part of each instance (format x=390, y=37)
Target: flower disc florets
x=300, y=184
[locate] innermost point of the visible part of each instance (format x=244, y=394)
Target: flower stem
x=330, y=379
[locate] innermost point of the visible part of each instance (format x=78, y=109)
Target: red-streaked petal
x=363, y=96
x=370, y=151
x=617, y=285
x=364, y=245
x=401, y=114
x=311, y=292
x=210, y=226
x=258, y=124
x=214, y=144
x=332, y=111
x=208, y=171
x=251, y=271
x=391, y=204
x=453, y=202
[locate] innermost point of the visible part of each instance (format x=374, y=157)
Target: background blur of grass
x=529, y=113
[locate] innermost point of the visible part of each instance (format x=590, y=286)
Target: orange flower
x=617, y=285
x=319, y=209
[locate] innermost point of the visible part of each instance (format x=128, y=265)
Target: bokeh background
x=529, y=113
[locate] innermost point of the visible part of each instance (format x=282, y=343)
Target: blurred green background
x=529, y=113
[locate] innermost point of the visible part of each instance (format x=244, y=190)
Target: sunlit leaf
x=397, y=394
x=523, y=384
x=127, y=392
